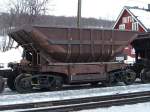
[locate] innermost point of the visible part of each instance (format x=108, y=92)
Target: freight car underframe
x=25, y=78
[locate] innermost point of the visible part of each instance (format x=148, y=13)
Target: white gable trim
x=119, y=17
x=125, y=8
x=137, y=20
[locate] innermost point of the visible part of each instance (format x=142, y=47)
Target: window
x=127, y=19
x=135, y=26
x=122, y=26
x=130, y=19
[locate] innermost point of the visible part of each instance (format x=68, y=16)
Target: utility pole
x=79, y=14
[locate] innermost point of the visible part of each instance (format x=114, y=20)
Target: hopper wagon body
x=55, y=56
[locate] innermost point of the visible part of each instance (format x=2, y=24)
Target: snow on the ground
x=13, y=55
x=7, y=91
x=70, y=94
x=140, y=107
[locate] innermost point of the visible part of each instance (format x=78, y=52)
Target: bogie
x=129, y=77
x=27, y=82
x=23, y=83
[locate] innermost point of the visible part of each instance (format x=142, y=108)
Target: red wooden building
x=134, y=19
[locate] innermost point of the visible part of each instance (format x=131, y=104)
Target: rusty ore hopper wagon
x=142, y=57
x=54, y=56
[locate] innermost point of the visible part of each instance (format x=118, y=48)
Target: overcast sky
x=106, y=9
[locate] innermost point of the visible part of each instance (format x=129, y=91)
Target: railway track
x=72, y=87
x=80, y=103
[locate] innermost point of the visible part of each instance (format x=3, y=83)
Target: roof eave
x=134, y=16
x=118, y=18
x=125, y=8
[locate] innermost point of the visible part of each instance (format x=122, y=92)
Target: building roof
x=140, y=15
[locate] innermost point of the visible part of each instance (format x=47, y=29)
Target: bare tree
x=26, y=11
x=22, y=12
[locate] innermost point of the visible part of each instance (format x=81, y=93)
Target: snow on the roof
x=142, y=15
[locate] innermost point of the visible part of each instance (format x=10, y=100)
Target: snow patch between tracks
x=70, y=94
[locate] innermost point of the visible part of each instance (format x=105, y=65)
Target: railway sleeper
x=27, y=82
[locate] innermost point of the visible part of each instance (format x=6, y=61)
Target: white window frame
x=122, y=27
x=130, y=19
x=127, y=19
x=135, y=26
x=133, y=20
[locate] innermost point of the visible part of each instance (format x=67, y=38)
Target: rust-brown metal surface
x=73, y=44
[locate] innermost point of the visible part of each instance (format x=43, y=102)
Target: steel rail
x=81, y=103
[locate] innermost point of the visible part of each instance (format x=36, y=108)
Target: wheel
x=129, y=77
x=145, y=76
x=2, y=84
x=56, y=83
x=23, y=83
x=11, y=81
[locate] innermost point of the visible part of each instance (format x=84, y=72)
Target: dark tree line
x=72, y=22
x=7, y=24
x=33, y=12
